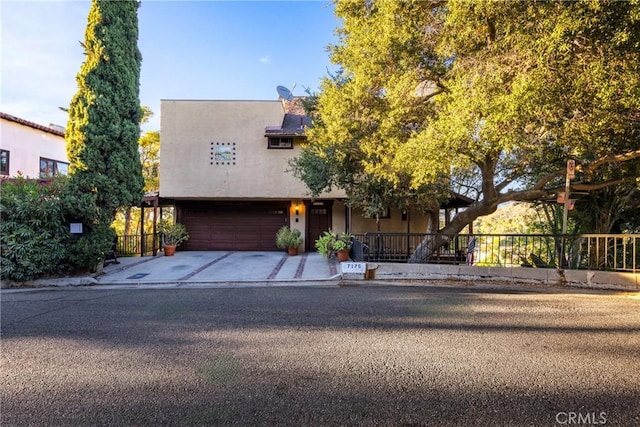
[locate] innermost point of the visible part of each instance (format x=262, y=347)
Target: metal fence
x=610, y=252
x=134, y=244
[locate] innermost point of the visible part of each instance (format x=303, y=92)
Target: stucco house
x=35, y=150
x=225, y=166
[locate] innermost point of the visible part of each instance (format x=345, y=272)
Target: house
x=225, y=166
x=32, y=149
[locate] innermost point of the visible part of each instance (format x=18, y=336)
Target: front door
x=318, y=221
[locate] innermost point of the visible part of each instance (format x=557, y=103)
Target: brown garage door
x=231, y=227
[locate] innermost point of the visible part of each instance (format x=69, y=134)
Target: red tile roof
x=31, y=124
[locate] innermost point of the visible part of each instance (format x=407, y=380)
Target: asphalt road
x=412, y=356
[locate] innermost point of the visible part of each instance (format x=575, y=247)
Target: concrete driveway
x=219, y=266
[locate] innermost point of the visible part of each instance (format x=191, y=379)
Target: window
x=279, y=142
x=4, y=162
x=50, y=167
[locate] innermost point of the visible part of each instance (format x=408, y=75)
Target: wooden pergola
x=155, y=202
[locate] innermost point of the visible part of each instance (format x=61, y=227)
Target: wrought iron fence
x=134, y=244
x=613, y=252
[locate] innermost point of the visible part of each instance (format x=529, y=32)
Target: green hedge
x=33, y=233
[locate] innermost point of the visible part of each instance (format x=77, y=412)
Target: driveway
x=316, y=356
x=219, y=266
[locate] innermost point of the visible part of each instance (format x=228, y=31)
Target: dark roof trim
x=31, y=124
x=457, y=200
x=292, y=125
x=284, y=132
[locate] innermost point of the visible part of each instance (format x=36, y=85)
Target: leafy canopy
x=485, y=98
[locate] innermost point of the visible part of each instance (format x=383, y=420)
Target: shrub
x=33, y=231
x=173, y=234
x=288, y=238
x=86, y=252
x=330, y=242
x=325, y=242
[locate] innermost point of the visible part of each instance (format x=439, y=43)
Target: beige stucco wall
x=188, y=129
x=26, y=145
x=415, y=223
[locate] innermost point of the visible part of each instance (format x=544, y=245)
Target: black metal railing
x=136, y=245
x=612, y=252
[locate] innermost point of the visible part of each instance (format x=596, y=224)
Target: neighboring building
x=225, y=164
x=32, y=149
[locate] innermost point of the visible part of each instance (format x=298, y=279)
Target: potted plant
x=289, y=239
x=342, y=246
x=173, y=234
x=324, y=244
x=330, y=242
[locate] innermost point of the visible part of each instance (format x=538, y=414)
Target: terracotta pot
x=169, y=250
x=292, y=251
x=343, y=255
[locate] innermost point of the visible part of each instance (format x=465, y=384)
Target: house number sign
x=353, y=267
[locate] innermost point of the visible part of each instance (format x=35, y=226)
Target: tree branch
x=617, y=158
x=593, y=187
x=548, y=178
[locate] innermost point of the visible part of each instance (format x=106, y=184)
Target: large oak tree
x=486, y=98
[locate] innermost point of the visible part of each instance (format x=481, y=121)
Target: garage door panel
x=233, y=228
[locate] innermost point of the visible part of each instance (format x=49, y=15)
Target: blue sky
x=190, y=50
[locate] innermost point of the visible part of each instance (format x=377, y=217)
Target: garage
x=232, y=226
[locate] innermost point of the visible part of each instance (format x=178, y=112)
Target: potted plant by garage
x=173, y=234
x=289, y=239
x=342, y=246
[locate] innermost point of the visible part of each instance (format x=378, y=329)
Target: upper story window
x=4, y=162
x=280, y=142
x=49, y=167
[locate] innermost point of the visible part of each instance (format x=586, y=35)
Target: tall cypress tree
x=103, y=129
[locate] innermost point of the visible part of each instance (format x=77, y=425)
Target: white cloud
x=265, y=59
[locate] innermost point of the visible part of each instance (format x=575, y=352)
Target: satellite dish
x=284, y=93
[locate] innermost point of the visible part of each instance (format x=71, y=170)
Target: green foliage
x=485, y=98
x=315, y=169
x=368, y=109
x=330, y=242
x=512, y=218
x=343, y=242
x=87, y=251
x=149, y=148
x=150, y=158
x=324, y=244
x=288, y=238
x=173, y=234
x=103, y=127
x=33, y=232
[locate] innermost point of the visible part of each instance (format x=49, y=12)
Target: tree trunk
x=127, y=221
x=431, y=243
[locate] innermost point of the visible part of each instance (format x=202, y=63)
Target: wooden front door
x=318, y=221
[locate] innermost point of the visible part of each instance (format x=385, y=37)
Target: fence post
x=142, y=245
